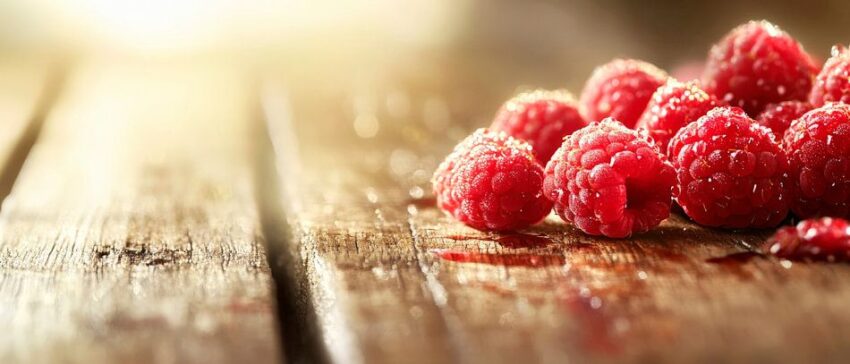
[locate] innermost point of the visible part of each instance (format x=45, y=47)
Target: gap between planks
x=53, y=84
x=297, y=314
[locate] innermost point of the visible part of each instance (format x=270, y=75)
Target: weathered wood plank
x=131, y=234
x=393, y=280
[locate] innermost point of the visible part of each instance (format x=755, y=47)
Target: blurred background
x=402, y=70
x=567, y=38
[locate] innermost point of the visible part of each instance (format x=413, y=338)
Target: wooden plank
x=394, y=280
x=131, y=234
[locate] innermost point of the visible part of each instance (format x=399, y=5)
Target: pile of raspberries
x=765, y=133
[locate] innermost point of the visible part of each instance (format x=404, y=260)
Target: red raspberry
x=824, y=239
x=620, y=89
x=778, y=117
x=673, y=106
x=731, y=171
x=491, y=181
x=542, y=118
x=757, y=64
x=833, y=81
x=818, y=147
x=610, y=180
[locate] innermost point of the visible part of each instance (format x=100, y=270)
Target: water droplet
x=416, y=192
x=786, y=263
x=372, y=195
x=366, y=125
x=595, y=302
x=775, y=248
x=642, y=275
x=604, y=107
x=420, y=176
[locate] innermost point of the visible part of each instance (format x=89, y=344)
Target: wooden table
x=186, y=212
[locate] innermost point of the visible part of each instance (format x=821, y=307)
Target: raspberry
x=757, y=64
x=818, y=147
x=673, y=106
x=609, y=180
x=620, y=89
x=731, y=171
x=833, y=81
x=822, y=239
x=491, y=181
x=778, y=117
x=542, y=118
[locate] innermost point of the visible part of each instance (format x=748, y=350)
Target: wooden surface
x=148, y=204
x=132, y=234
x=391, y=279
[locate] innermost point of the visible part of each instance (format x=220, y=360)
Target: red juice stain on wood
x=734, y=263
x=423, y=203
x=515, y=241
x=604, y=315
x=734, y=258
x=507, y=260
x=465, y=238
x=595, y=331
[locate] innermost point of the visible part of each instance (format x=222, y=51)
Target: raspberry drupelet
x=673, y=106
x=818, y=148
x=817, y=239
x=833, y=82
x=620, y=89
x=542, y=118
x=758, y=64
x=778, y=117
x=491, y=181
x=609, y=180
x=731, y=172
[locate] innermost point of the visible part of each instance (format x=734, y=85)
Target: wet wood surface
x=132, y=233
x=391, y=279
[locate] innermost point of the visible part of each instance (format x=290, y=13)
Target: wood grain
x=131, y=234
x=394, y=280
